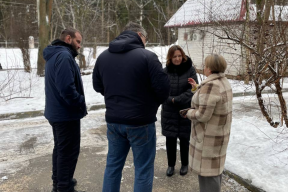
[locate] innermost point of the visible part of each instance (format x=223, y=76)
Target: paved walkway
x=89, y=173
x=27, y=159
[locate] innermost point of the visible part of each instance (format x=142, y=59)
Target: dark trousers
x=171, y=147
x=210, y=184
x=65, y=153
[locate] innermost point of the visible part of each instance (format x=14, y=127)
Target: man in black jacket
x=64, y=106
x=133, y=83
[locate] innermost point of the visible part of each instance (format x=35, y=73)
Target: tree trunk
x=247, y=51
x=108, y=23
x=26, y=59
x=282, y=102
x=95, y=48
x=141, y=12
x=168, y=28
x=44, y=19
x=262, y=106
x=82, y=60
x=102, y=21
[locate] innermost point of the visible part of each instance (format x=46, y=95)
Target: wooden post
x=31, y=42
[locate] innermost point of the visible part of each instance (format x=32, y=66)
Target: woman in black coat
x=179, y=68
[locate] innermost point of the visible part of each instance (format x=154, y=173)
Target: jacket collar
x=58, y=42
x=180, y=69
x=212, y=77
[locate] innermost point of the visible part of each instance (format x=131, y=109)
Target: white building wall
x=199, y=44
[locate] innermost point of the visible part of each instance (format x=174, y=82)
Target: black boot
x=184, y=170
x=74, y=191
x=54, y=189
x=170, y=171
x=74, y=181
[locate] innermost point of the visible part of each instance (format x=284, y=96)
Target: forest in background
x=100, y=21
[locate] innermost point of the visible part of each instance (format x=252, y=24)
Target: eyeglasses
x=146, y=38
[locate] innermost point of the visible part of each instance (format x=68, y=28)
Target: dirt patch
x=28, y=145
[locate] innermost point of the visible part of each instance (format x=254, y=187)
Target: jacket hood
x=126, y=41
x=180, y=69
x=56, y=47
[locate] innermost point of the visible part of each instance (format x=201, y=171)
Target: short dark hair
x=68, y=31
x=135, y=27
x=171, y=52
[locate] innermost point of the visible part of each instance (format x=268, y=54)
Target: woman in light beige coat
x=210, y=123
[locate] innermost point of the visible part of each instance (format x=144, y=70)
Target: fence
x=7, y=45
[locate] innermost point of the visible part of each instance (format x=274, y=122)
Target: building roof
x=194, y=12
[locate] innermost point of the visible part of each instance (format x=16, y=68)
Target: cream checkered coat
x=210, y=123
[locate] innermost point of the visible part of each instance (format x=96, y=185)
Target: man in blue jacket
x=65, y=106
x=133, y=83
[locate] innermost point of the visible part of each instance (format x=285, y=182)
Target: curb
x=244, y=182
x=254, y=93
x=37, y=113
x=21, y=115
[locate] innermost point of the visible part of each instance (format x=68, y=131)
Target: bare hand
x=173, y=100
x=192, y=82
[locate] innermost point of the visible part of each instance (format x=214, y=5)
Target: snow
x=206, y=11
x=33, y=98
x=256, y=151
x=4, y=178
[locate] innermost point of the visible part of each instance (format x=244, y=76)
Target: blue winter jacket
x=132, y=81
x=65, y=100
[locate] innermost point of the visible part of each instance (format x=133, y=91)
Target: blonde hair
x=216, y=63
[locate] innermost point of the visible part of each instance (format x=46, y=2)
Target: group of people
x=134, y=85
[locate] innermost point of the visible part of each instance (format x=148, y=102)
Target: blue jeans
x=142, y=139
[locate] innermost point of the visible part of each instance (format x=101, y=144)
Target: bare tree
x=264, y=38
x=141, y=6
x=83, y=16
x=4, y=22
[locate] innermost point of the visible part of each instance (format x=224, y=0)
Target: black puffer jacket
x=173, y=125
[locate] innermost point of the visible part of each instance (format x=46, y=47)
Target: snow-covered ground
x=256, y=151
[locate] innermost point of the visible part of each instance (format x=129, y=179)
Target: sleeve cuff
x=189, y=113
x=194, y=89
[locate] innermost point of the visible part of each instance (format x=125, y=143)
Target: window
x=185, y=36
